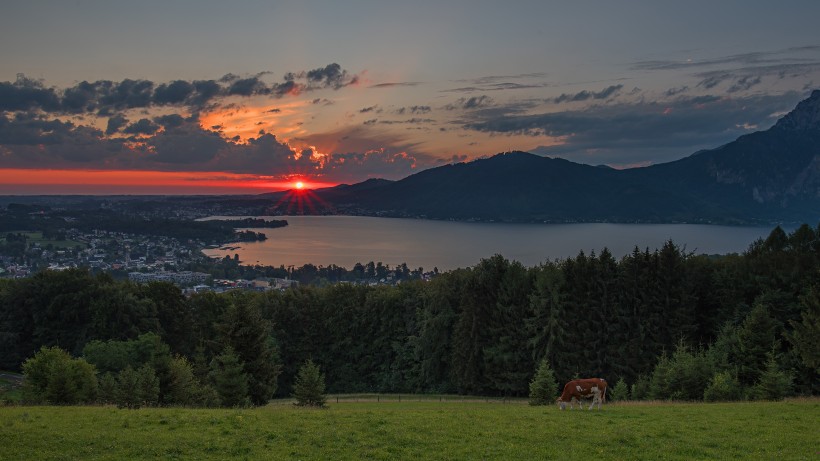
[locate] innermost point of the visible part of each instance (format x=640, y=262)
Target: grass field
x=420, y=430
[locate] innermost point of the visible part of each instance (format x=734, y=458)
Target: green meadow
x=419, y=430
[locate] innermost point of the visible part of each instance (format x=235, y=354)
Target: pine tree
x=309, y=388
x=543, y=387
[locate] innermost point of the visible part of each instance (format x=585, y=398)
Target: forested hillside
x=667, y=323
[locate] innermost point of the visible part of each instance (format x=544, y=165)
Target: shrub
x=127, y=395
x=52, y=376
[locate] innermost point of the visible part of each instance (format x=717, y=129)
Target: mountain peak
x=804, y=117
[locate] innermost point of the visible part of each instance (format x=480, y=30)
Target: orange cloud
x=250, y=119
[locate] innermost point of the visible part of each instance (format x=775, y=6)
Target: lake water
x=346, y=240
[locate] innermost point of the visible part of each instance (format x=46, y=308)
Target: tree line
x=662, y=324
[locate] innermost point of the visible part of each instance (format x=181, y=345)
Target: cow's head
x=561, y=404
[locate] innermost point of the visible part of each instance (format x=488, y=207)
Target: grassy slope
x=416, y=430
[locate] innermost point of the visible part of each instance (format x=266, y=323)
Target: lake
x=346, y=240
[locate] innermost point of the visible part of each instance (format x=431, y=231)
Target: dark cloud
x=80, y=98
x=127, y=94
x=204, y=91
x=368, y=109
x=676, y=91
x=175, y=92
x=142, y=126
x=643, y=130
x=392, y=84
x=32, y=141
x=374, y=163
x=744, y=83
x=170, y=121
x=494, y=87
x=498, y=83
x=489, y=79
x=414, y=110
x=115, y=122
x=248, y=87
x=106, y=97
x=331, y=76
x=587, y=95
x=474, y=102
x=30, y=129
x=785, y=56
x=264, y=153
x=25, y=94
x=187, y=146
x=455, y=158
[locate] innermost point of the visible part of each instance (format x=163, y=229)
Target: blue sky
x=257, y=94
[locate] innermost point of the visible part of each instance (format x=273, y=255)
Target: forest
x=661, y=323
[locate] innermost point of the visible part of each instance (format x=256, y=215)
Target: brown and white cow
x=578, y=389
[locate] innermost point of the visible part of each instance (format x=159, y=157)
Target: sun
x=299, y=185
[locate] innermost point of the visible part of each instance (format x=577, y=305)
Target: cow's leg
x=596, y=397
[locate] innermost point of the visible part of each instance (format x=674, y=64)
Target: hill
x=766, y=176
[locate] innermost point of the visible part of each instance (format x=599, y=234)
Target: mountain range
x=762, y=177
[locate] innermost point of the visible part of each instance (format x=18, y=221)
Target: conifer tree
x=774, y=383
x=722, y=387
x=309, y=388
x=230, y=381
x=249, y=336
x=620, y=393
x=543, y=387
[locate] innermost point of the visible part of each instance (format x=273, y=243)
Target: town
x=51, y=242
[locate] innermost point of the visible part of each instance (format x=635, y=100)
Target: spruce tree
x=774, y=383
x=244, y=329
x=620, y=393
x=309, y=388
x=723, y=387
x=229, y=379
x=543, y=387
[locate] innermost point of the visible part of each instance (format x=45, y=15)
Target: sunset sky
x=206, y=97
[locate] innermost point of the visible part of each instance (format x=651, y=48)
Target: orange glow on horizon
x=43, y=181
